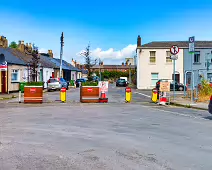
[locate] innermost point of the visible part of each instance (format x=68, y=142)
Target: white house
x=154, y=63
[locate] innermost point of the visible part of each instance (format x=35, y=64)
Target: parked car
x=79, y=81
x=56, y=84
x=210, y=106
x=121, y=83
x=178, y=86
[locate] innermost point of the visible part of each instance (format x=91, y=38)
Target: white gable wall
x=164, y=69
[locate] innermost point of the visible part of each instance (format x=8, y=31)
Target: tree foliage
x=13, y=44
x=89, y=61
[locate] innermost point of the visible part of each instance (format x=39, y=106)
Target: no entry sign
x=174, y=49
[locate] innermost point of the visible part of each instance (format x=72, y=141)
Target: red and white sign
x=174, y=50
x=3, y=66
x=89, y=89
x=32, y=90
x=103, y=85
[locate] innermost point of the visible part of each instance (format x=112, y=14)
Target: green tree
x=13, y=44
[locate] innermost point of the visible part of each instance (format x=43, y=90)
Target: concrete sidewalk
x=180, y=101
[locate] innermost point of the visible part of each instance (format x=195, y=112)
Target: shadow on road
x=208, y=117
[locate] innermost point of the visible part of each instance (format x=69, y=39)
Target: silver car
x=56, y=84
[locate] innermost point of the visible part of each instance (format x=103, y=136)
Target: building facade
x=154, y=63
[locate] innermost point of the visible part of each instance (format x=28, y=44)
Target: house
x=45, y=68
x=122, y=68
x=14, y=73
x=154, y=63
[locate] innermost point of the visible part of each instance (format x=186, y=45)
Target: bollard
x=63, y=95
x=128, y=95
x=154, y=95
x=19, y=97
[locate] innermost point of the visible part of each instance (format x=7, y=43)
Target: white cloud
x=43, y=50
x=111, y=54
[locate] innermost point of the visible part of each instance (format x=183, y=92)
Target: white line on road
x=175, y=113
x=143, y=94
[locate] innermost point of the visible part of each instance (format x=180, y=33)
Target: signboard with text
x=3, y=63
x=164, y=86
x=191, y=44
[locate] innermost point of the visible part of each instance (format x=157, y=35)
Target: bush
x=34, y=83
x=205, y=91
x=88, y=83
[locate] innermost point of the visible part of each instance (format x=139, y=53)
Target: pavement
x=116, y=135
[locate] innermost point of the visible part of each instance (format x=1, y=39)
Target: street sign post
x=192, y=51
x=174, y=50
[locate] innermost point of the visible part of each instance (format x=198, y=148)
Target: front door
x=3, y=81
x=177, y=77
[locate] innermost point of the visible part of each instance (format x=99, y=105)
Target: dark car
x=79, y=81
x=56, y=84
x=178, y=86
x=121, y=83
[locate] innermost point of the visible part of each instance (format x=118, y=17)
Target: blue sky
x=112, y=26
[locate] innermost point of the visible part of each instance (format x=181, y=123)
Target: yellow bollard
x=154, y=95
x=128, y=95
x=63, y=94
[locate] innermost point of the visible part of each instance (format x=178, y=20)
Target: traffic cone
x=103, y=95
x=163, y=101
x=103, y=98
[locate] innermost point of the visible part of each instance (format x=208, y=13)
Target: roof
x=113, y=66
x=10, y=57
x=84, y=71
x=66, y=65
x=47, y=62
x=180, y=44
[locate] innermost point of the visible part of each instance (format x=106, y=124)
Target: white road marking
x=175, y=113
x=143, y=94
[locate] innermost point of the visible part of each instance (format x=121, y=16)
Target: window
x=168, y=55
x=152, y=58
x=15, y=76
x=197, y=57
x=154, y=78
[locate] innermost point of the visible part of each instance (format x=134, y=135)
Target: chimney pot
x=22, y=42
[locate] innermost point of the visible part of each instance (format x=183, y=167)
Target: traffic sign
x=191, y=44
x=174, y=57
x=174, y=49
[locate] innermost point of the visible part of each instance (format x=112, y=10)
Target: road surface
x=116, y=136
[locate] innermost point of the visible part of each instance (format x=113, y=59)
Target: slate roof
x=47, y=62
x=84, y=71
x=10, y=57
x=66, y=65
x=180, y=44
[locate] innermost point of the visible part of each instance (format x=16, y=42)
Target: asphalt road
x=116, y=136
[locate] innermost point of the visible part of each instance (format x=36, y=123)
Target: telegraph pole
x=61, y=53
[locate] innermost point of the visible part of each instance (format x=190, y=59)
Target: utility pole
x=100, y=70
x=192, y=51
x=61, y=53
x=130, y=78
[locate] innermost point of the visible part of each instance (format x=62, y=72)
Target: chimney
x=102, y=63
x=139, y=41
x=21, y=46
x=126, y=63
x=122, y=64
x=3, y=42
x=50, y=53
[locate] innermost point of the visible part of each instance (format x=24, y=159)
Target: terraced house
x=154, y=63
x=19, y=65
